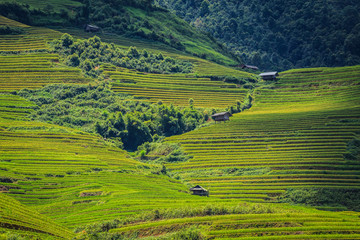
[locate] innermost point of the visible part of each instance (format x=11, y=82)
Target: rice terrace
x=179, y=119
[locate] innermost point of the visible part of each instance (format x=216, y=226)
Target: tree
x=137, y=133
x=87, y=65
x=73, y=60
x=191, y=103
x=66, y=40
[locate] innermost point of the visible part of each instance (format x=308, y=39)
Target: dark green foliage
x=4, y=30
x=16, y=11
x=241, y=106
x=32, y=15
x=350, y=198
x=279, y=34
x=119, y=118
x=91, y=53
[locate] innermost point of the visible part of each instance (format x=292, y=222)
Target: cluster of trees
x=90, y=53
x=278, y=34
x=119, y=118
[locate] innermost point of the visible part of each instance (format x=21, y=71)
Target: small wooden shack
x=199, y=190
x=223, y=116
x=269, y=75
x=243, y=66
x=91, y=28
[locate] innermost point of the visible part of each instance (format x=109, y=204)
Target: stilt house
x=269, y=75
x=243, y=66
x=91, y=28
x=198, y=190
x=223, y=116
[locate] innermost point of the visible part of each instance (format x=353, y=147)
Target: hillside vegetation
x=64, y=177
x=279, y=34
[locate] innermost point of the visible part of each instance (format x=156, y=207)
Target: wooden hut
x=269, y=75
x=223, y=116
x=243, y=66
x=199, y=190
x=91, y=28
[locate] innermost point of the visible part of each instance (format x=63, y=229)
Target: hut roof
x=249, y=66
x=221, y=114
x=92, y=26
x=197, y=188
x=269, y=74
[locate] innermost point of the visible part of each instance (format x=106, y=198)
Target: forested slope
x=279, y=34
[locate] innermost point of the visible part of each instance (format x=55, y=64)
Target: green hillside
x=26, y=222
x=296, y=135
x=297, y=144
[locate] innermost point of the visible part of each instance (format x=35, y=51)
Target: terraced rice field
x=175, y=89
x=55, y=178
x=304, y=225
x=74, y=177
x=28, y=223
x=34, y=38
x=29, y=68
x=294, y=136
x=35, y=71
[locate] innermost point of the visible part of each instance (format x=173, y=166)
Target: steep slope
x=26, y=222
x=279, y=34
x=296, y=135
